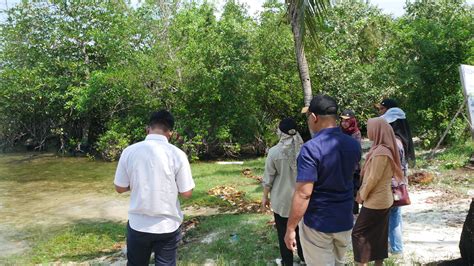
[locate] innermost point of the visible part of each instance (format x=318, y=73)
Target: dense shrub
x=90, y=73
x=111, y=144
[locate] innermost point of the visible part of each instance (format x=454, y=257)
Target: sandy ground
x=432, y=224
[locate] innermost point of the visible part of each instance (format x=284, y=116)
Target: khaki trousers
x=324, y=249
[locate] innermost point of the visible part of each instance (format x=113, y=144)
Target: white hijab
x=393, y=114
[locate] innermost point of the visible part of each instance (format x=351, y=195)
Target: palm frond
x=309, y=14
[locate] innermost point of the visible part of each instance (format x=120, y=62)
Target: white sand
x=432, y=227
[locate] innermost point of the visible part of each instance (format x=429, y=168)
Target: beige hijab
x=384, y=143
x=291, y=145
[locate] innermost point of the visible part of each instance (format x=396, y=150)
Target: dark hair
x=389, y=103
x=162, y=119
x=402, y=131
x=286, y=125
x=323, y=105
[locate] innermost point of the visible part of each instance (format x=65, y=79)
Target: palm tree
x=305, y=15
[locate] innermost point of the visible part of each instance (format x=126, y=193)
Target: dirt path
x=432, y=224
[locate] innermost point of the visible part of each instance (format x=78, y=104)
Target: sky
x=393, y=7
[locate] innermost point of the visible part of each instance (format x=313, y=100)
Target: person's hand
x=265, y=204
x=290, y=240
x=358, y=199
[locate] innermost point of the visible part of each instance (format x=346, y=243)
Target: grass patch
x=256, y=243
x=452, y=157
x=209, y=175
x=459, y=181
x=78, y=242
x=447, y=168
x=456, y=156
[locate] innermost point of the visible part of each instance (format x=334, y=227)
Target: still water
x=39, y=191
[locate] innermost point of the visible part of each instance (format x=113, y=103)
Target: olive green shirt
x=280, y=178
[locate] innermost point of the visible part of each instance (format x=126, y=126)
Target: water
x=40, y=191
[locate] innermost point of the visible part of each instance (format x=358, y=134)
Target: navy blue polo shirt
x=329, y=160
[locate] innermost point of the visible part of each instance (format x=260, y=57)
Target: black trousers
x=286, y=254
x=140, y=245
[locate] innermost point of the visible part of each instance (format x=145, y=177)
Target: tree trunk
x=302, y=64
x=87, y=123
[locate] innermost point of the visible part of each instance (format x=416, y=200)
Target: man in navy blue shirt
x=324, y=188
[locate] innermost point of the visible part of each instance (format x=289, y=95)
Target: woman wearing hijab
x=396, y=117
x=349, y=126
x=397, y=120
x=370, y=233
x=279, y=180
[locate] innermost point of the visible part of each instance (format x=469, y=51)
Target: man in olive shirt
x=280, y=179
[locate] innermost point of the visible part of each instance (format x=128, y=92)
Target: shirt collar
x=327, y=131
x=156, y=137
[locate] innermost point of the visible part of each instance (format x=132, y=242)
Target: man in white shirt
x=155, y=172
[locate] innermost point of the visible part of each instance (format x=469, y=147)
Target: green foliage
x=111, y=144
x=90, y=73
x=193, y=147
x=279, y=94
x=57, y=62
x=456, y=156
x=430, y=43
x=356, y=36
x=215, y=84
